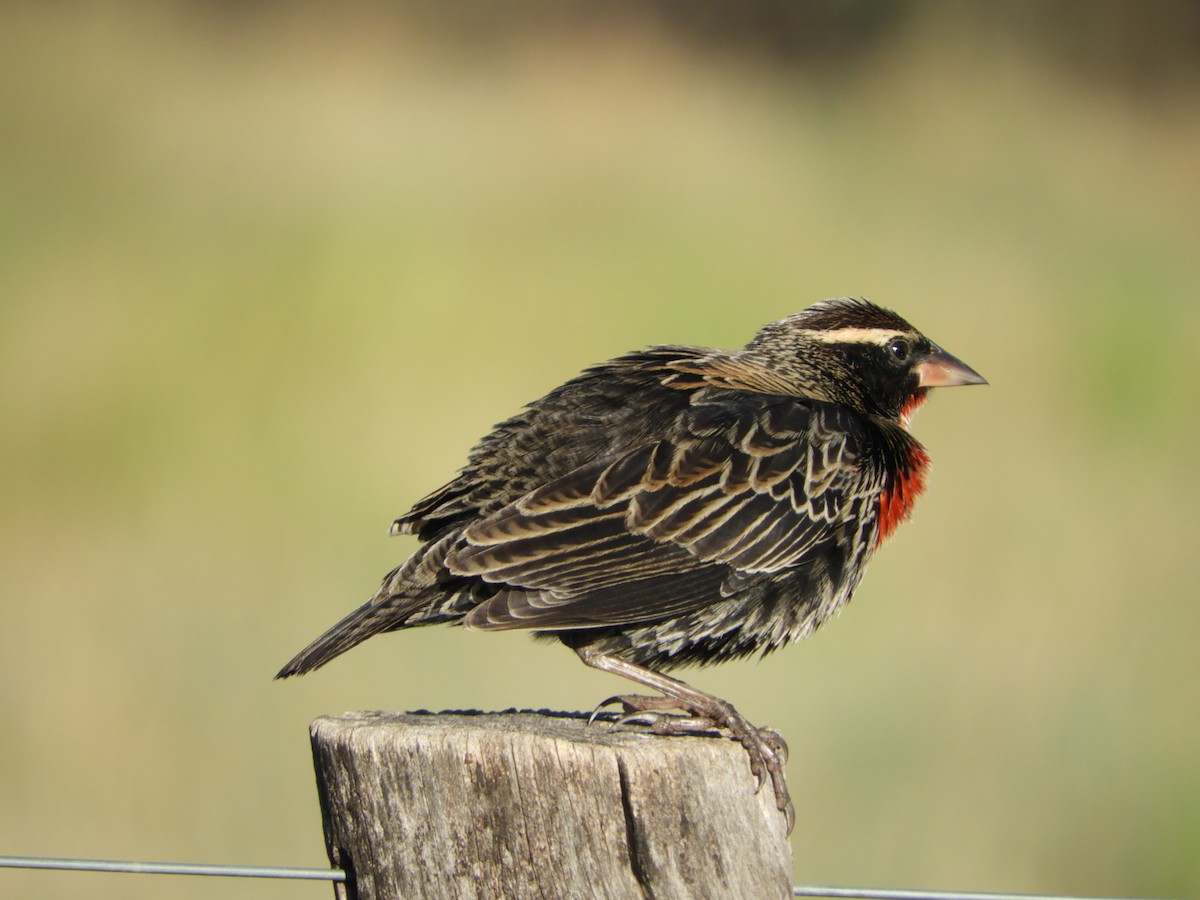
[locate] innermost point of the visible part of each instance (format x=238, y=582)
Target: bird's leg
x=767, y=750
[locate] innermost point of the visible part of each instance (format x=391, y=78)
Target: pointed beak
x=940, y=369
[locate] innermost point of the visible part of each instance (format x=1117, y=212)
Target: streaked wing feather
x=636, y=538
x=661, y=596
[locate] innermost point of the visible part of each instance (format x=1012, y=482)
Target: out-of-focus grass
x=262, y=286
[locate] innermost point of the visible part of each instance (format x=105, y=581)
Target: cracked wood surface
x=538, y=804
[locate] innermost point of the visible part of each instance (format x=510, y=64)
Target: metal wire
x=844, y=893
x=154, y=868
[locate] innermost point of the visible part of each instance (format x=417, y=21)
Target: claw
x=600, y=707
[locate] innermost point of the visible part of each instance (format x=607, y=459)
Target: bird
x=678, y=506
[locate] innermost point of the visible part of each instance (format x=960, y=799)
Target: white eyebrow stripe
x=857, y=335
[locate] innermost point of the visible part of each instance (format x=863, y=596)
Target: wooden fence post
x=523, y=804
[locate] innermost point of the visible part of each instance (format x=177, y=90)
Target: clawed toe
x=636, y=707
x=775, y=742
x=768, y=753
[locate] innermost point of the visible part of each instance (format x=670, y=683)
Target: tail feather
x=376, y=615
x=411, y=594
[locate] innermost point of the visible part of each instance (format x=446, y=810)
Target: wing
x=747, y=487
x=585, y=420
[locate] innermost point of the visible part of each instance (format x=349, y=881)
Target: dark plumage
x=678, y=505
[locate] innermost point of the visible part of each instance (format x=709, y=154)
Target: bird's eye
x=899, y=349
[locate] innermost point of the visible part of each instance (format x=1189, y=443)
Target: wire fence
x=157, y=868
x=850, y=893
x=299, y=874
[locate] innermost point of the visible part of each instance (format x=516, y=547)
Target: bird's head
x=853, y=352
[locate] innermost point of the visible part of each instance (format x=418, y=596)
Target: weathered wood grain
x=522, y=804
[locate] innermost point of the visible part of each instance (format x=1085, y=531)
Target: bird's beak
x=940, y=369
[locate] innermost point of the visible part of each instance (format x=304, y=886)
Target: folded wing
x=745, y=490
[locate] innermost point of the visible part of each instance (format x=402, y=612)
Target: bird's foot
x=767, y=749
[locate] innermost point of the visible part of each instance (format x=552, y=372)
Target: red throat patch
x=910, y=407
x=899, y=494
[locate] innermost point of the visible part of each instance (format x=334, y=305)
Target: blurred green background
x=267, y=272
